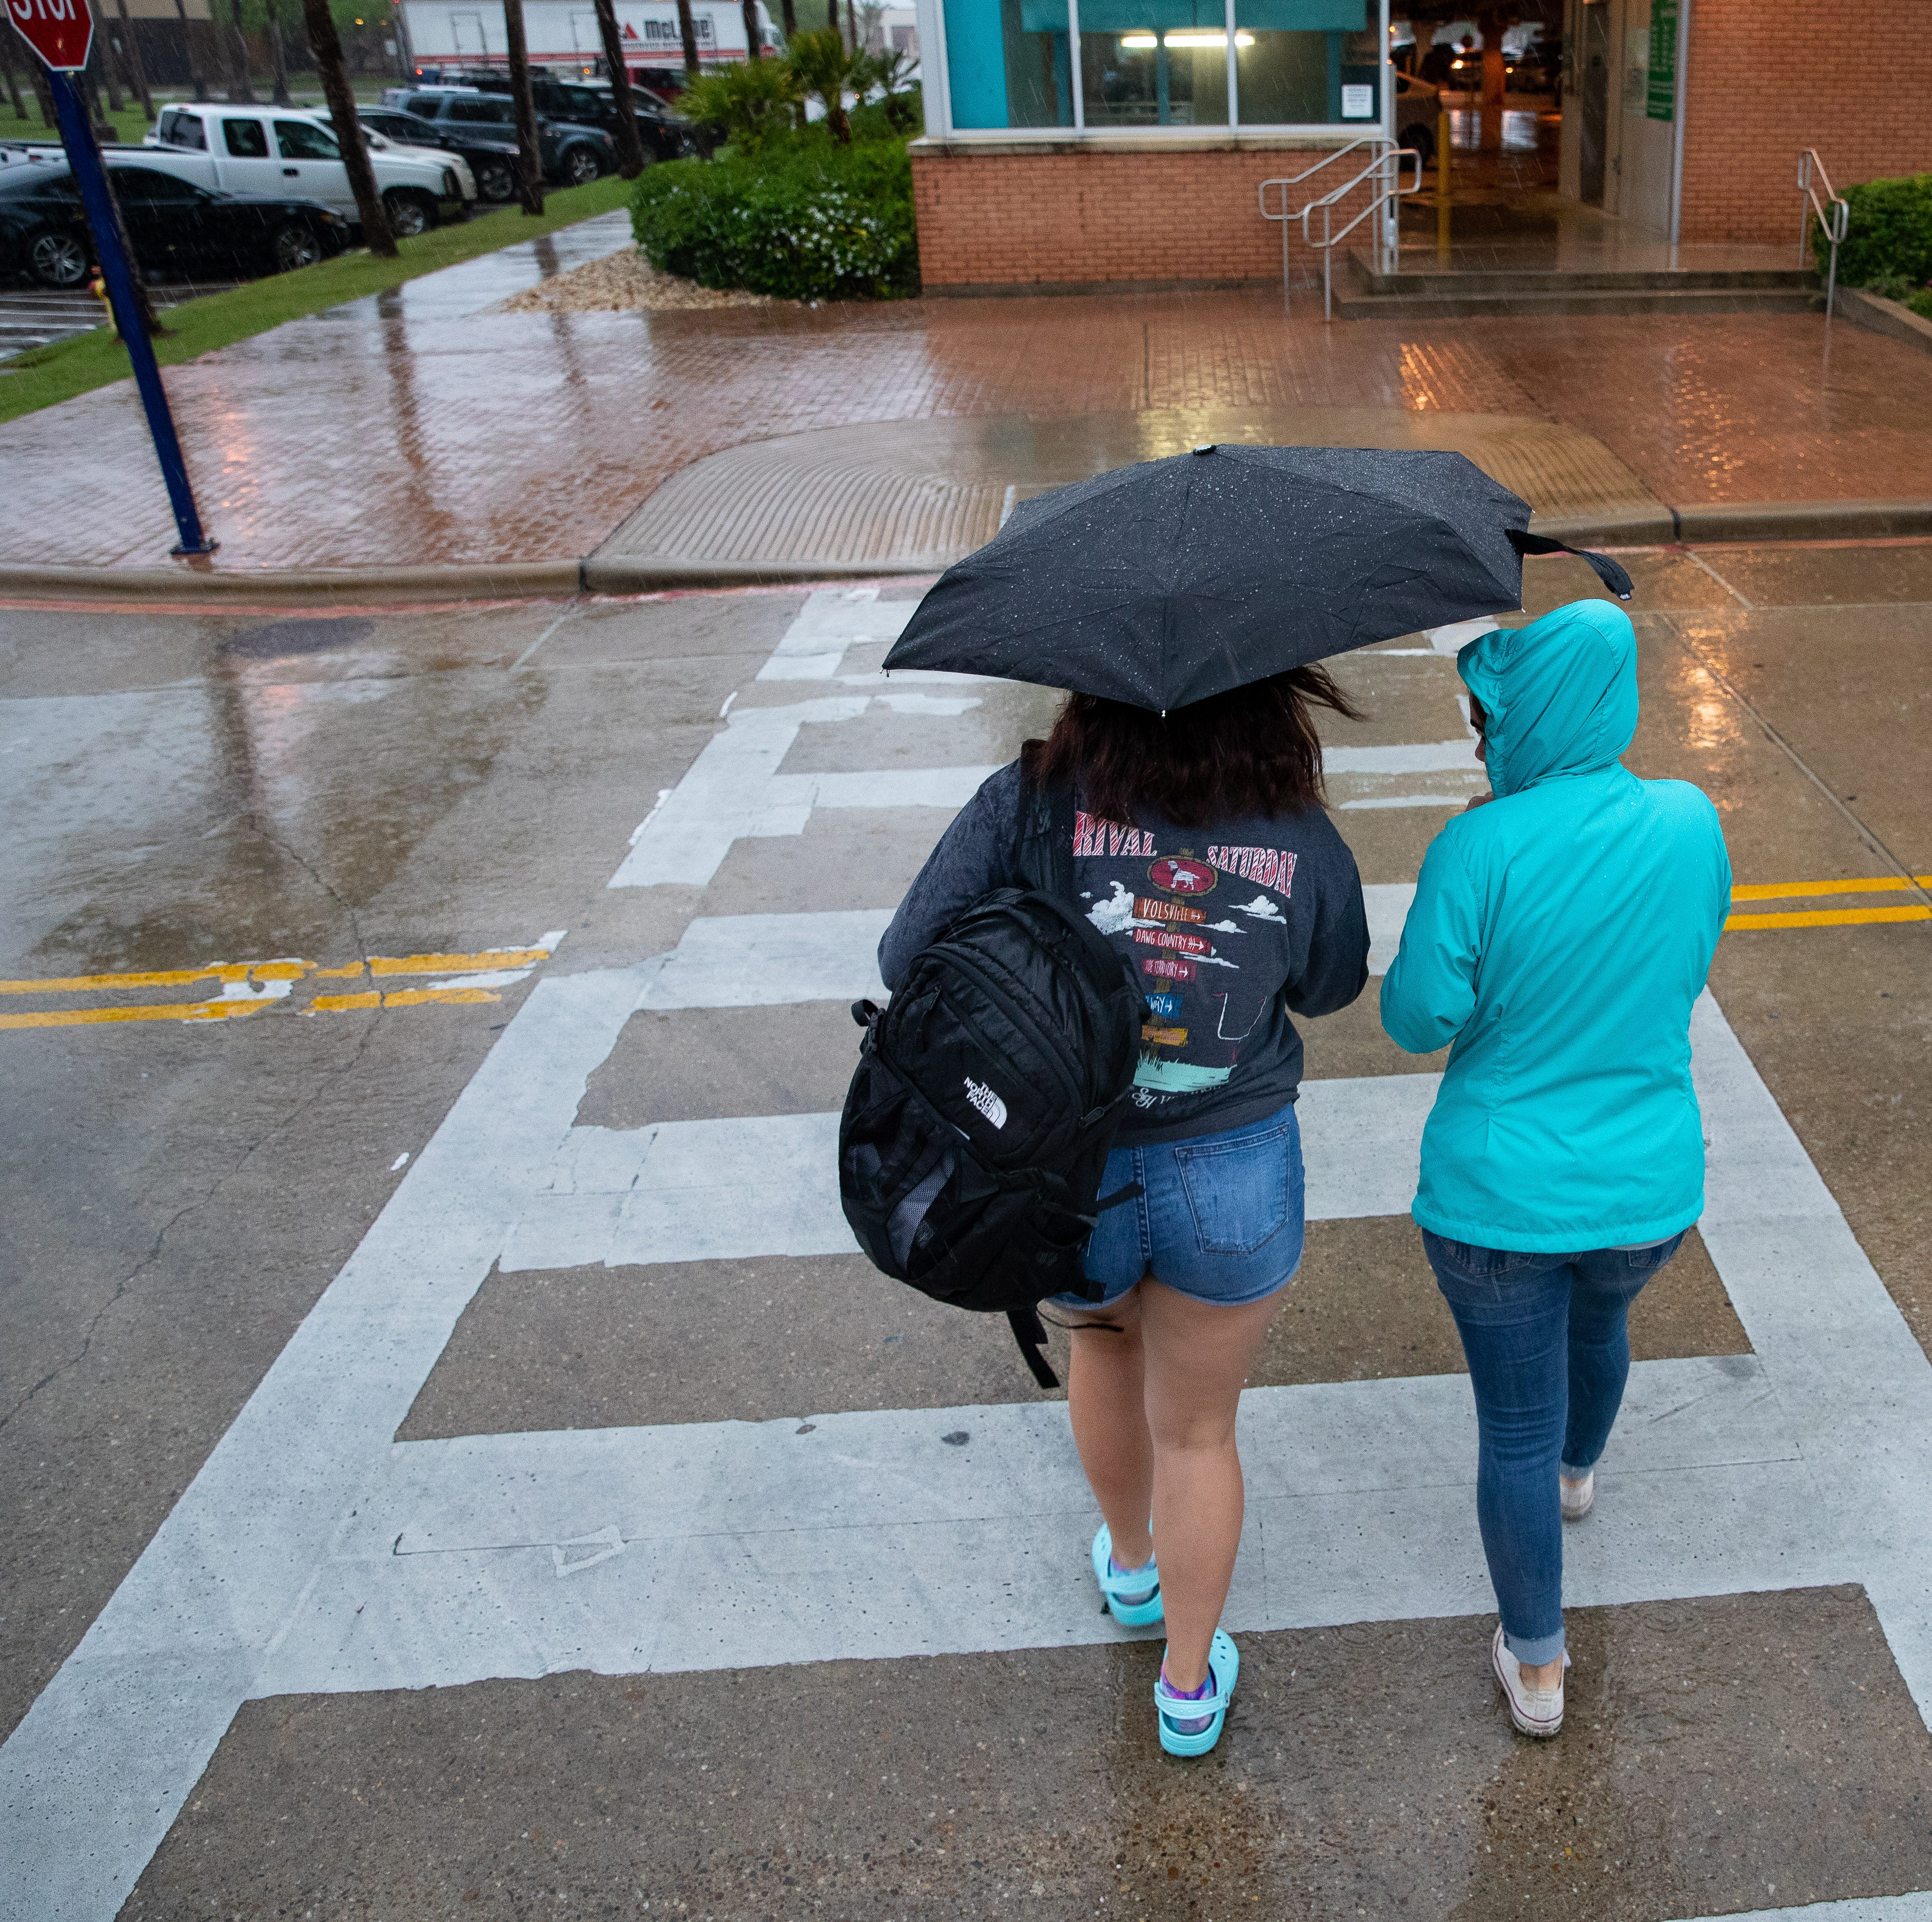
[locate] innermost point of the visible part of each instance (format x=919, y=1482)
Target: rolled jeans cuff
x=1531, y=1651
x=1570, y=1472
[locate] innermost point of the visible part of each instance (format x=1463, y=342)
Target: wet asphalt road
x=445, y=792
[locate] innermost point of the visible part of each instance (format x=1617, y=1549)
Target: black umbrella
x=1165, y=582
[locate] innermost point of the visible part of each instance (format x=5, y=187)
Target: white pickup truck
x=286, y=151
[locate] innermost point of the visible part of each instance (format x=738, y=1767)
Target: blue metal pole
x=116, y=268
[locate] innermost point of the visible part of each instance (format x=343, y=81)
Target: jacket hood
x=1561, y=694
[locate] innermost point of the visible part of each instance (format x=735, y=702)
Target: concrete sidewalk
x=422, y=431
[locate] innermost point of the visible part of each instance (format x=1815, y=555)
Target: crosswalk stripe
x=736, y=1544
x=760, y=1185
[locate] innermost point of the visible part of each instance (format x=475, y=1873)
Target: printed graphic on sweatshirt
x=1272, y=867
x=1183, y=876
x=1092, y=835
x=1189, y=944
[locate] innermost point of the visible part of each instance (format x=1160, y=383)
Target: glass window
x=1009, y=63
x=300, y=140
x=247, y=139
x=143, y=183
x=181, y=130
x=487, y=113
x=1154, y=63
x=1306, y=63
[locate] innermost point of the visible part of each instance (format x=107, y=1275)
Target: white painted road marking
x=734, y=790
x=749, y=1544
x=768, y=1184
x=764, y=960
x=1805, y=1462
x=1457, y=757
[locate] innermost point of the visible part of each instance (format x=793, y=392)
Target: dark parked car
x=573, y=155
x=667, y=136
x=492, y=159
x=174, y=226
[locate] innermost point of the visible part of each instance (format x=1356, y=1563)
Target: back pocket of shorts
x=1238, y=1194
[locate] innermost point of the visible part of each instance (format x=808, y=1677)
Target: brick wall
x=1852, y=78
x=1062, y=216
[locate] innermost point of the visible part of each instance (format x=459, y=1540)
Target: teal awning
x=1132, y=15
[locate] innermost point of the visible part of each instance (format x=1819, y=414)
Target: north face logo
x=986, y=1102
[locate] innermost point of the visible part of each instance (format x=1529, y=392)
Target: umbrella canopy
x=1165, y=583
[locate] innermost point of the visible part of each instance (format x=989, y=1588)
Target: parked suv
x=572, y=155
x=666, y=135
x=490, y=158
x=283, y=150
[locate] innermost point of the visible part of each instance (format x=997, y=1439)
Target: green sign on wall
x=1661, y=97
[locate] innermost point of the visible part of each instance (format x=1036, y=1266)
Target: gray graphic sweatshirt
x=1228, y=927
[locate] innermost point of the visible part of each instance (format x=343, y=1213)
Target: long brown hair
x=1251, y=751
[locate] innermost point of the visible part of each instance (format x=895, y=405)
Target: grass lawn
x=84, y=361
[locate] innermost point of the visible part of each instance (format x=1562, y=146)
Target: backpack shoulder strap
x=1043, y=849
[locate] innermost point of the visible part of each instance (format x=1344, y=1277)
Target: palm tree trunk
x=326, y=45
x=240, y=93
x=630, y=143
x=188, y=44
x=137, y=68
x=687, y=31
x=754, y=36
x=277, y=51
x=14, y=92
x=530, y=153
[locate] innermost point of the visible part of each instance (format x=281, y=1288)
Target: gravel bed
x=622, y=282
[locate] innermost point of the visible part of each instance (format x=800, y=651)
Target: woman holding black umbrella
x=1201, y=850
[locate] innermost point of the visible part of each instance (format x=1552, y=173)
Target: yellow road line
x=489, y=959
x=86, y=984
x=1775, y=890
x=1827, y=917
x=402, y=997
x=165, y=1011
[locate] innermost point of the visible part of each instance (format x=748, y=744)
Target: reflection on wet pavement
x=420, y=427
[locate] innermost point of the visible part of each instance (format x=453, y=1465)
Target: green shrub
x=1889, y=234
x=804, y=219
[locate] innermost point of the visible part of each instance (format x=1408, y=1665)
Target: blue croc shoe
x=1143, y=1584
x=1179, y=1713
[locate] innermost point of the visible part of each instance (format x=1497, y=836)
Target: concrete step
x=1355, y=305
x=1421, y=282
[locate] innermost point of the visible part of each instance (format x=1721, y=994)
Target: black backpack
x=987, y=1095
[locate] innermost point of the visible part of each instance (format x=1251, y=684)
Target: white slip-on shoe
x=1578, y=1498
x=1537, y=1712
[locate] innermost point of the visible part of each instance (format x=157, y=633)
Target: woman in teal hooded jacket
x=1561, y=930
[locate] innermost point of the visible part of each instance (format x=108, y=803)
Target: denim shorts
x=1219, y=1217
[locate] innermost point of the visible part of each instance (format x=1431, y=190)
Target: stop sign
x=59, y=31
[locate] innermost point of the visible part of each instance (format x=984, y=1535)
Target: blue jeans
x=1548, y=1354
x=1220, y=1218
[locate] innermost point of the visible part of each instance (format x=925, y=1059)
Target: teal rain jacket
x=1558, y=937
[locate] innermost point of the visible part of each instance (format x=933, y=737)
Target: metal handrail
x=1834, y=212
x=1385, y=195
x=1380, y=148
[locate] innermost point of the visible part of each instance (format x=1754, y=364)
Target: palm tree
x=827, y=70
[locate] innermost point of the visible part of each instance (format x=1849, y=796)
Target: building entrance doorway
x=1493, y=80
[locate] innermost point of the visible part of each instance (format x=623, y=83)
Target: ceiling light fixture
x=1145, y=43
